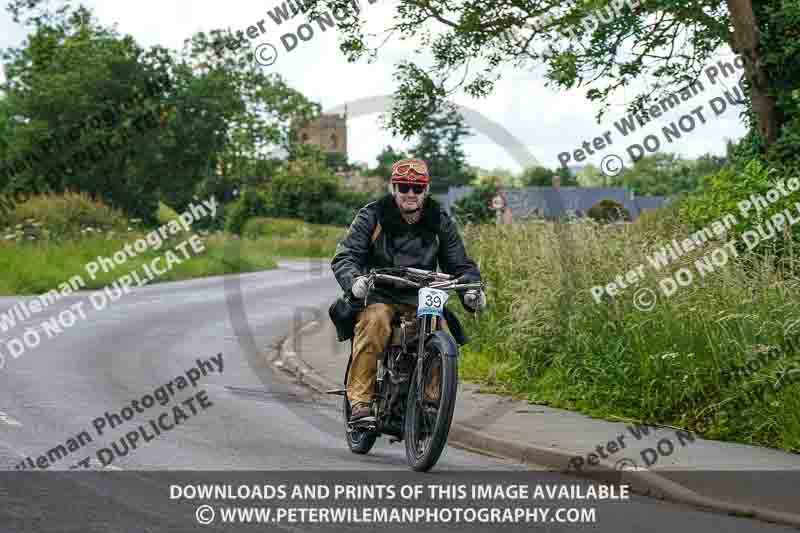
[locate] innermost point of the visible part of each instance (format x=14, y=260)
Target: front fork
x=427, y=325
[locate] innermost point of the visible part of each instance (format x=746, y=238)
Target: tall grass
x=61, y=216
x=720, y=357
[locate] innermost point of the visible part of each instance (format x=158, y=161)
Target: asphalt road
x=250, y=418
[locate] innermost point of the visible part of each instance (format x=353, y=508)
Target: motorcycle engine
x=395, y=382
x=397, y=365
x=409, y=332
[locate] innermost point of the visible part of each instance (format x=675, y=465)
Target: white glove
x=359, y=288
x=474, y=299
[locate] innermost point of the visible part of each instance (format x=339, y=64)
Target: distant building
x=329, y=132
x=356, y=180
x=558, y=202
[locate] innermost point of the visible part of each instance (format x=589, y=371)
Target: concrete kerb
x=290, y=362
x=642, y=481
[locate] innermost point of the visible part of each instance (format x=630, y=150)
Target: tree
x=537, y=177
x=335, y=161
x=194, y=138
x=709, y=164
x=5, y=129
x=88, y=110
x=665, y=174
x=251, y=204
x=604, y=45
x=590, y=176
x=567, y=178
x=386, y=159
x=79, y=86
x=476, y=207
x=543, y=177
x=506, y=176
x=265, y=110
x=301, y=188
x=440, y=145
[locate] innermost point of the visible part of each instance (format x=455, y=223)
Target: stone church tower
x=329, y=132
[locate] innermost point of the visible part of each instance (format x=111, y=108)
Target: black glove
x=468, y=277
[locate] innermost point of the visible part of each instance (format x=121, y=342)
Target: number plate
x=431, y=302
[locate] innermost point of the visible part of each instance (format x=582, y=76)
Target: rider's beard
x=405, y=211
x=412, y=211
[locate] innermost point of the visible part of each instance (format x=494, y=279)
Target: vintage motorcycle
x=417, y=377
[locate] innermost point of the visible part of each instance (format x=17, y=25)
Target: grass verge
x=36, y=267
x=720, y=357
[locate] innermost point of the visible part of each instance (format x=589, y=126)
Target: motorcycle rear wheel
x=426, y=430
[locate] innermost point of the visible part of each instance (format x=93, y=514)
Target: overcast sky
x=545, y=120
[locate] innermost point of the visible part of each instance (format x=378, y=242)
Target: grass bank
x=288, y=237
x=36, y=267
x=720, y=357
x=50, y=238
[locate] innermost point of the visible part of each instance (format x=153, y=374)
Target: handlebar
x=439, y=280
x=441, y=285
x=438, y=275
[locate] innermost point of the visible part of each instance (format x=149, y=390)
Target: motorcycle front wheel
x=430, y=413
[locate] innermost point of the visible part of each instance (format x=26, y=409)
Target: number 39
x=433, y=301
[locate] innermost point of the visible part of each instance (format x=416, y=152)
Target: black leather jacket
x=432, y=242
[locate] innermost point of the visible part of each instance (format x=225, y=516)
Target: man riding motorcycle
x=406, y=228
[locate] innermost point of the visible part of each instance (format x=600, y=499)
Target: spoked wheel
x=429, y=414
x=359, y=441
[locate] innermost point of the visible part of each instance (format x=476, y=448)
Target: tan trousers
x=373, y=327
